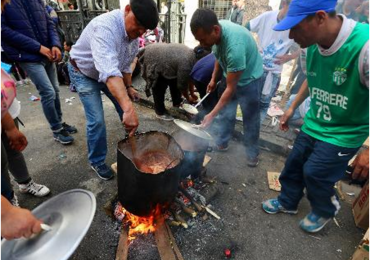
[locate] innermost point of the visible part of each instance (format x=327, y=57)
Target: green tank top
x=339, y=111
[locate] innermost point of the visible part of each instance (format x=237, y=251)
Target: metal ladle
x=193, y=109
x=200, y=102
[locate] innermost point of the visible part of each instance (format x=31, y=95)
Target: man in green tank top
x=337, y=123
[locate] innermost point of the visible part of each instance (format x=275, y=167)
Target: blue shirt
x=203, y=69
x=104, y=49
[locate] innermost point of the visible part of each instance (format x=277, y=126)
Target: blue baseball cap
x=300, y=9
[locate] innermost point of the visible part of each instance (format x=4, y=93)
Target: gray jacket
x=169, y=60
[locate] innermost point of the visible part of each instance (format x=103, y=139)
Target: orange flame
x=142, y=225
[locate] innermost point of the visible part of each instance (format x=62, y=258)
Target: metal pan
x=69, y=215
x=193, y=129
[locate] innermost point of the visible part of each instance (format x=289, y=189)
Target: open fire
x=139, y=225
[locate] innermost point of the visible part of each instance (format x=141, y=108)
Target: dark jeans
x=44, y=76
x=12, y=161
x=316, y=166
x=159, y=92
x=248, y=97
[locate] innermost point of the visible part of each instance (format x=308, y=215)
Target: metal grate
x=220, y=7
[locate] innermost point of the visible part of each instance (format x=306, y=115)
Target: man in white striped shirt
x=100, y=61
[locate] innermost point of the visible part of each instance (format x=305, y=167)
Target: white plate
x=69, y=214
x=190, y=109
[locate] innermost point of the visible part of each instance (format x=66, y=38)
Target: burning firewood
x=174, y=223
x=212, y=212
x=186, y=209
x=178, y=218
x=186, y=194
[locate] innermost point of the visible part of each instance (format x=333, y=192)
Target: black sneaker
x=63, y=137
x=253, y=162
x=103, y=171
x=69, y=128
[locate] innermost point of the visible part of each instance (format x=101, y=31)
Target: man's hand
x=133, y=94
x=17, y=139
x=130, y=121
x=17, y=222
x=207, y=121
x=57, y=55
x=192, y=100
x=46, y=52
x=285, y=119
x=361, y=166
x=211, y=86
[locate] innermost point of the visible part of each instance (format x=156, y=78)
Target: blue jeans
x=316, y=166
x=266, y=99
x=44, y=75
x=89, y=91
x=248, y=98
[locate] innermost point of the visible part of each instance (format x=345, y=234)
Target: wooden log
x=123, y=243
x=166, y=243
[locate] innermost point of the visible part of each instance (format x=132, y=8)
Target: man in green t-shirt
x=337, y=123
x=237, y=55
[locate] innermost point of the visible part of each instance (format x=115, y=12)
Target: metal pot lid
x=190, y=109
x=193, y=129
x=69, y=214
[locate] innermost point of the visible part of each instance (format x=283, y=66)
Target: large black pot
x=195, y=149
x=139, y=192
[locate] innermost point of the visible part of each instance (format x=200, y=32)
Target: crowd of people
x=229, y=64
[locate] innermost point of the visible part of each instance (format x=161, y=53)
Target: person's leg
x=226, y=119
x=159, y=91
x=16, y=162
x=325, y=166
x=291, y=178
x=51, y=70
x=176, y=95
x=249, y=100
x=18, y=168
x=6, y=186
x=89, y=93
x=266, y=99
x=49, y=98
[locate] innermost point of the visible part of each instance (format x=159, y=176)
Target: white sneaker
x=14, y=201
x=35, y=189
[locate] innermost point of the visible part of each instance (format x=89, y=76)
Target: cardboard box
x=273, y=180
x=360, y=208
x=362, y=251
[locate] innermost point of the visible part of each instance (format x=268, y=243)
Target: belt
x=74, y=64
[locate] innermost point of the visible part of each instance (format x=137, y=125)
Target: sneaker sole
x=315, y=230
x=253, y=165
x=221, y=150
x=103, y=178
x=25, y=192
x=167, y=119
x=60, y=141
x=290, y=212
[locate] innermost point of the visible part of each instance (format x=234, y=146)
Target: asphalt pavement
x=244, y=227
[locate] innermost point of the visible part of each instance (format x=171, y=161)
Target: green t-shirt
x=339, y=112
x=238, y=51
